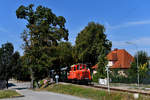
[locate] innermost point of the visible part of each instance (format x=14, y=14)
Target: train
x=77, y=73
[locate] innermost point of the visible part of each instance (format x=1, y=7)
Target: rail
x=114, y=89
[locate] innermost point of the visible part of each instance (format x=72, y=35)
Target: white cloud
x=143, y=41
x=118, y=43
x=127, y=24
x=139, y=22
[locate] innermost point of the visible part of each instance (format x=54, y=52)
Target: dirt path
x=22, y=88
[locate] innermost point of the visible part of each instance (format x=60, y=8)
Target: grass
x=91, y=93
x=8, y=94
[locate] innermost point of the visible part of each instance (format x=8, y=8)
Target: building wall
x=120, y=72
x=110, y=64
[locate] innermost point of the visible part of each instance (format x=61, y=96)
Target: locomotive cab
x=79, y=72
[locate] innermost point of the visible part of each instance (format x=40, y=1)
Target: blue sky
x=124, y=20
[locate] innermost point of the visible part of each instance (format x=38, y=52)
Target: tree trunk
x=32, y=79
x=37, y=84
x=7, y=84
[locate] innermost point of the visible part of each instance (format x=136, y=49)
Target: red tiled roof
x=122, y=58
x=95, y=66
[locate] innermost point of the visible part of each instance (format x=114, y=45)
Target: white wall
x=110, y=63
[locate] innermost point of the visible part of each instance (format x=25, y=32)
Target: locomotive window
x=78, y=67
x=87, y=67
x=82, y=67
x=74, y=68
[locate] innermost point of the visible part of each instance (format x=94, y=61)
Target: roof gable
x=122, y=58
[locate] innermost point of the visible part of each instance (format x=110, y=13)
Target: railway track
x=123, y=90
x=115, y=89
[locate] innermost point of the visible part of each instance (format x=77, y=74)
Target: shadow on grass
x=11, y=84
x=20, y=88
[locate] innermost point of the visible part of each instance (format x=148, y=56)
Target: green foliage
x=96, y=77
x=90, y=43
x=142, y=64
x=20, y=70
x=142, y=57
x=10, y=63
x=41, y=83
x=101, y=71
x=65, y=53
x=102, y=64
x=92, y=46
x=117, y=78
x=44, y=31
x=6, y=53
x=16, y=63
x=143, y=71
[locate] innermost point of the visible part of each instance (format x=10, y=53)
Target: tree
x=6, y=53
x=142, y=57
x=62, y=57
x=16, y=64
x=19, y=70
x=92, y=46
x=91, y=43
x=65, y=54
x=142, y=64
x=44, y=31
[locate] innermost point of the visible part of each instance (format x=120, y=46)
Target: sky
x=127, y=22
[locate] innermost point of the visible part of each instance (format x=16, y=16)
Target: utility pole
x=107, y=69
x=138, y=76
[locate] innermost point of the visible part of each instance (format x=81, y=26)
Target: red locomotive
x=79, y=72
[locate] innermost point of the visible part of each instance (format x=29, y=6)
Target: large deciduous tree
x=92, y=46
x=44, y=31
x=19, y=70
x=6, y=53
x=91, y=43
x=63, y=54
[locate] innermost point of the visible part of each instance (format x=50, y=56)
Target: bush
x=41, y=83
x=97, y=76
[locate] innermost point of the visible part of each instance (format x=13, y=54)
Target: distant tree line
x=10, y=63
